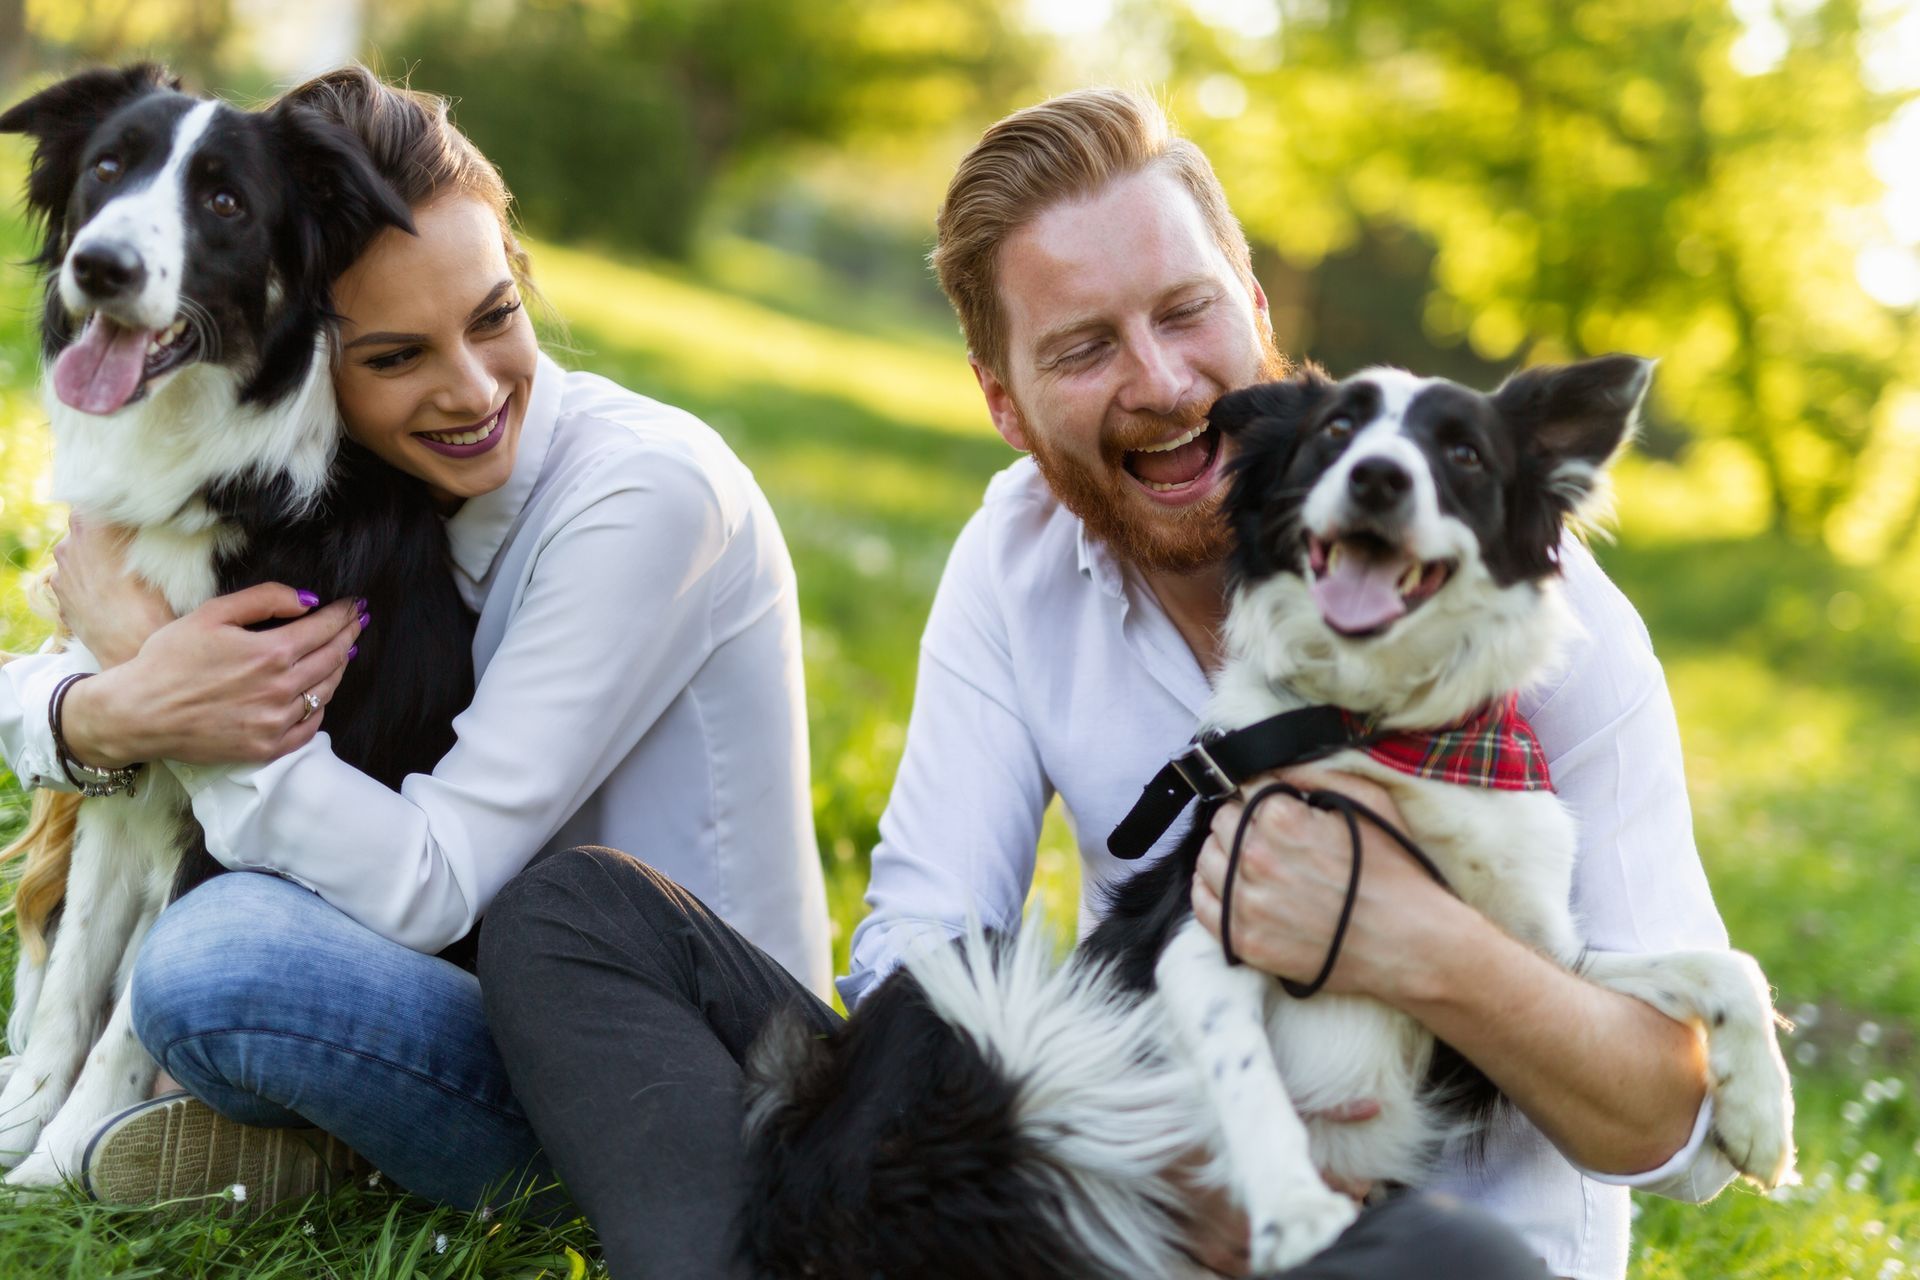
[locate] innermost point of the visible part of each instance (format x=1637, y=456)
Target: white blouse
x=1047, y=668
x=639, y=685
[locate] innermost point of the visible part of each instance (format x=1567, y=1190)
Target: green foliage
x=1593, y=176
x=614, y=120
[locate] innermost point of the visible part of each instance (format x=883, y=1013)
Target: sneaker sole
x=178, y=1149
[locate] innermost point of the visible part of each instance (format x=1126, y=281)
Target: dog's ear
x=1569, y=421
x=341, y=202
x=1573, y=418
x=59, y=119
x=1277, y=406
x=345, y=199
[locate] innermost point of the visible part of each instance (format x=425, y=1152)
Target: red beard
x=1173, y=540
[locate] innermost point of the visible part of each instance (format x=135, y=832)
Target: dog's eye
x=107, y=168
x=225, y=203
x=1340, y=428
x=1464, y=455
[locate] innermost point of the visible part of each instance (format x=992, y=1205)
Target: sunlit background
x=730, y=202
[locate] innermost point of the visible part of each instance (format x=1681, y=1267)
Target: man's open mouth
x=1363, y=583
x=110, y=364
x=1173, y=465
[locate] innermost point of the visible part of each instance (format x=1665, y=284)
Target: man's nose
x=106, y=270
x=1159, y=379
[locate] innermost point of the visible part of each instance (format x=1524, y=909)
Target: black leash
x=1350, y=809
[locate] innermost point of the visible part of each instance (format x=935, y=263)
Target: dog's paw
x=1752, y=1097
x=1285, y=1231
x=22, y=1117
x=38, y=1171
x=1753, y=1113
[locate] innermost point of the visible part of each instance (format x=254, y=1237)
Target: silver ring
x=312, y=700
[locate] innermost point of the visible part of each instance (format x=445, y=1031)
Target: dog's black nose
x=1378, y=484
x=108, y=270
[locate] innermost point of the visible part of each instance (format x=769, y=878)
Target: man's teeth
x=166, y=337
x=1188, y=438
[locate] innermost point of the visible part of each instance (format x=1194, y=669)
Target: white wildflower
x=1869, y=1034
x=440, y=1243
x=237, y=1193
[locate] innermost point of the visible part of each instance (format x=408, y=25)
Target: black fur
x=926, y=1170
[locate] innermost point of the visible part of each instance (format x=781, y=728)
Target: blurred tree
x=1597, y=175
x=613, y=119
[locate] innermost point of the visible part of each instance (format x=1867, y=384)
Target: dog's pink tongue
x=100, y=372
x=1360, y=593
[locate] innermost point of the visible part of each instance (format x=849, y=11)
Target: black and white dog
x=189, y=249
x=983, y=1115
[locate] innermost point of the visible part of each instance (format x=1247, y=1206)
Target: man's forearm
x=1614, y=1083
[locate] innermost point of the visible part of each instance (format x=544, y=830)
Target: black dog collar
x=1214, y=765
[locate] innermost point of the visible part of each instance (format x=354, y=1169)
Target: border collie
x=189, y=248
x=982, y=1115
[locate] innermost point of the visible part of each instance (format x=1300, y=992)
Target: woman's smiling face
x=436, y=354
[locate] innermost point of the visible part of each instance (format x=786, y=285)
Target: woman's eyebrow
x=382, y=339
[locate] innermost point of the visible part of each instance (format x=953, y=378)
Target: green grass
x=1797, y=682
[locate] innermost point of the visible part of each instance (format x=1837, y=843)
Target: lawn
x=1797, y=681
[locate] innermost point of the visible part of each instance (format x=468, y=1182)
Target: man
x=1107, y=299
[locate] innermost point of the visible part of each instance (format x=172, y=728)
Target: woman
x=638, y=684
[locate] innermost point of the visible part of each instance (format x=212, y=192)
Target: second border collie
x=189, y=248
x=984, y=1116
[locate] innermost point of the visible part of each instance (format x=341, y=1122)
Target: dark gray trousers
x=623, y=1010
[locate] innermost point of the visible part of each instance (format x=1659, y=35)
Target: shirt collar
x=477, y=530
x=1098, y=563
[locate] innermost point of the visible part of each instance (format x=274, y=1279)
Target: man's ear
x=1000, y=406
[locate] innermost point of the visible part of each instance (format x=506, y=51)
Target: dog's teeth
x=1334, y=553
x=1410, y=579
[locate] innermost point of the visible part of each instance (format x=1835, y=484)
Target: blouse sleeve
x=614, y=621
x=26, y=738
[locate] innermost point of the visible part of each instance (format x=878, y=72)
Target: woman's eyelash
x=393, y=359
x=499, y=315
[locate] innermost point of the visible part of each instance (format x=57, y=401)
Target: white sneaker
x=175, y=1148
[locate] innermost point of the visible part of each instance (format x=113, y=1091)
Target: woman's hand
x=1292, y=882
x=105, y=606
x=205, y=690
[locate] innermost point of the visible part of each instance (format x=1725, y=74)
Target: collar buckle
x=1202, y=773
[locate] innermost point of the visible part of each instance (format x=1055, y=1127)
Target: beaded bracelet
x=89, y=781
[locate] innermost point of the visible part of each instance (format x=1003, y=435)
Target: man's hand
x=1216, y=1227
x=105, y=606
x=206, y=690
x=1295, y=863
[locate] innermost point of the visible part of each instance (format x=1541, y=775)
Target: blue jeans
x=278, y=1010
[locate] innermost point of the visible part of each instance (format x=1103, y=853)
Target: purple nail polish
x=308, y=599
x=365, y=620
x=361, y=604
x=351, y=651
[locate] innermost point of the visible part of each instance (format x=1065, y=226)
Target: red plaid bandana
x=1494, y=747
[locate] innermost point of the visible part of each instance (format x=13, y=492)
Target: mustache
x=1140, y=430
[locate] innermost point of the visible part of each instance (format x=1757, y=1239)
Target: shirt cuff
x=36, y=761
x=1678, y=1168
